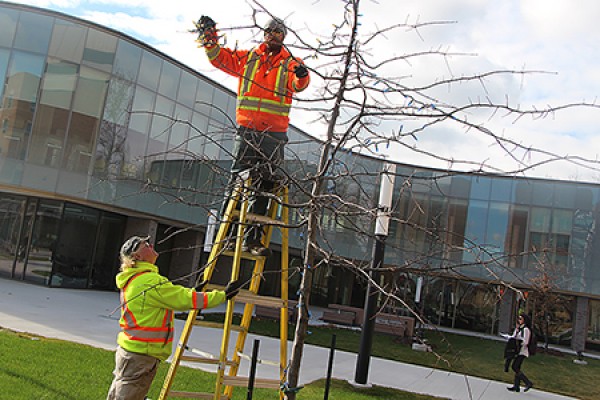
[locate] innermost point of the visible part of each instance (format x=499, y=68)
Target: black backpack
x=532, y=345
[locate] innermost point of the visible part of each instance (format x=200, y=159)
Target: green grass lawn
x=37, y=368
x=483, y=358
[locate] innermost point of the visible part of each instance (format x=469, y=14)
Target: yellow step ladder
x=228, y=366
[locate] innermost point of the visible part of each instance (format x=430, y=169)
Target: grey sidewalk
x=86, y=316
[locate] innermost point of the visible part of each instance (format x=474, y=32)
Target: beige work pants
x=133, y=375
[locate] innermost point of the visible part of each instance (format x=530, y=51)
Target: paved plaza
x=91, y=317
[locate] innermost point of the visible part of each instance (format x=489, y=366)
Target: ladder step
x=244, y=255
x=205, y=360
x=194, y=395
x=242, y=381
x=245, y=296
x=218, y=325
x=260, y=219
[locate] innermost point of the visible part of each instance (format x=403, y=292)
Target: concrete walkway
x=91, y=317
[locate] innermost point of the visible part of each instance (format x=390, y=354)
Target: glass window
x=187, y=89
x=110, y=147
x=74, y=251
x=477, y=221
x=108, y=243
x=179, y=132
x=52, y=115
x=8, y=26
x=43, y=241
x=515, y=240
x=127, y=60
x=562, y=221
x=11, y=209
x=18, y=102
x=99, y=50
x=85, y=119
x=540, y=220
x=542, y=193
x=4, y=54
x=523, y=191
x=501, y=189
x=460, y=186
x=134, y=151
x=33, y=32
x=67, y=41
x=143, y=104
x=480, y=188
x=219, y=107
x=497, y=226
x=149, y=70
x=564, y=195
x=91, y=92
x=197, y=134
x=204, y=97
x=162, y=120
x=59, y=83
x=169, y=80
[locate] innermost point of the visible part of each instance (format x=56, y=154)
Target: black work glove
x=233, y=288
x=301, y=71
x=205, y=23
x=200, y=286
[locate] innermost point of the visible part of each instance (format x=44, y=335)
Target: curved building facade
x=103, y=137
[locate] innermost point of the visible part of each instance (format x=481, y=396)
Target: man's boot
x=515, y=387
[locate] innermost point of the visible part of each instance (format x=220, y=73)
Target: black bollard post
x=253, y=368
x=329, y=367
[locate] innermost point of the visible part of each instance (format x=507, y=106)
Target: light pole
x=382, y=223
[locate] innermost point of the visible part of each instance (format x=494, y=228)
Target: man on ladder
x=268, y=77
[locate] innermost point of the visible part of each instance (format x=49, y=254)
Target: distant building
x=90, y=154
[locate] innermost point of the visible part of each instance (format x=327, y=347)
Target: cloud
x=557, y=36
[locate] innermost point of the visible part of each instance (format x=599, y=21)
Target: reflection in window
x=111, y=145
x=53, y=114
x=457, y=218
x=8, y=26
x=169, y=80
x=143, y=104
x=149, y=70
x=11, y=208
x=43, y=241
x=187, y=89
x=73, y=254
x=99, y=50
x=550, y=237
x=85, y=120
x=67, y=41
x=18, y=102
x=4, y=54
x=127, y=60
x=515, y=240
x=33, y=32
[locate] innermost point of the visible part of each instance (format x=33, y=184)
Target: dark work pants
x=262, y=154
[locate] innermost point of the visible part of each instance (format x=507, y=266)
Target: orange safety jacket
x=265, y=87
x=147, y=303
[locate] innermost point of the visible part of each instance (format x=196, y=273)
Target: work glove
x=301, y=71
x=201, y=285
x=233, y=288
x=207, y=32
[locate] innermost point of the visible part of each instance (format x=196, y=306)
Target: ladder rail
x=278, y=217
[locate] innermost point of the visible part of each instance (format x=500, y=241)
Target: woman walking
x=523, y=333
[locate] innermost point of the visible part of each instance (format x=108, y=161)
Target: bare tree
x=365, y=102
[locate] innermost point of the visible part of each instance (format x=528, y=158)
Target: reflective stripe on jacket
x=147, y=303
x=265, y=86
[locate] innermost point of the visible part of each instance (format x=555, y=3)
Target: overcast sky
x=558, y=36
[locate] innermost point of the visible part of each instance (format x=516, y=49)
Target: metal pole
x=253, y=368
x=329, y=367
x=381, y=233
